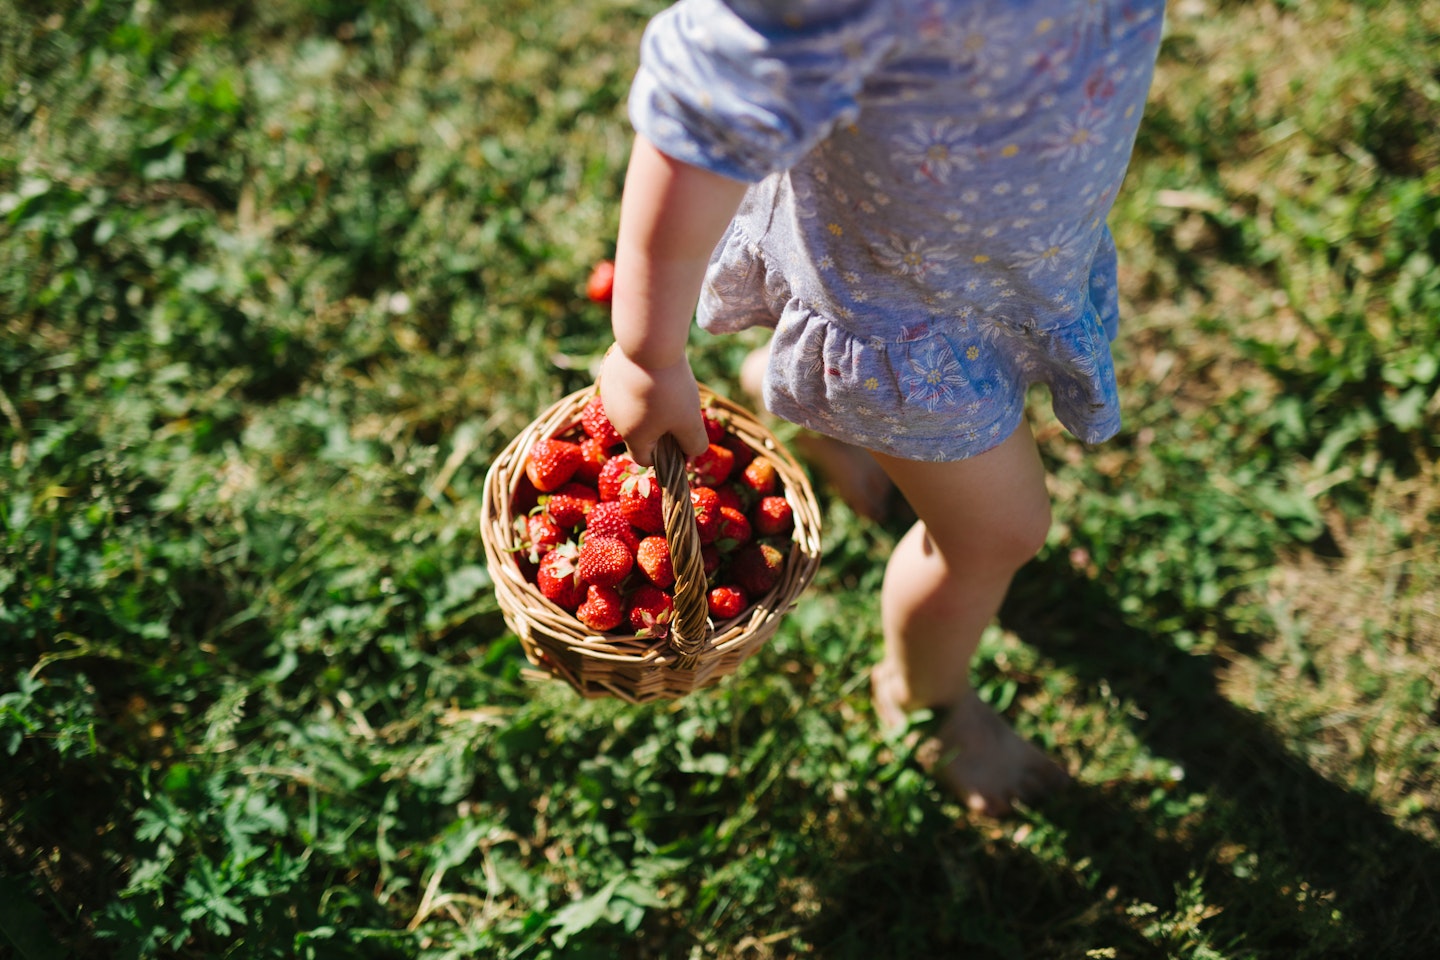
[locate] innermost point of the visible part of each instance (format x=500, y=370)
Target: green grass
x=277, y=281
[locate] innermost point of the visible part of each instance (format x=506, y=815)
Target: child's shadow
x=1294, y=863
x=1251, y=853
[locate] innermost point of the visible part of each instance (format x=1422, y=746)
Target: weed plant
x=278, y=280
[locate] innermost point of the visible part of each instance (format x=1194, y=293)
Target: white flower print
x=985, y=43
x=913, y=258
x=807, y=203
x=1019, y=339
x=1075, y=139
x=1046, y=254
x=933, y=378
x=935, y=149
x=810, y=359
x=1091, y=348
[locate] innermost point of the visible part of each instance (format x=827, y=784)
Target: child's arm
x=671, y=217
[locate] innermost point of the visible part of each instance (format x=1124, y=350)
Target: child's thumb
x=693, y=439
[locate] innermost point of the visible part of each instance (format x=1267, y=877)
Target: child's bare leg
x=855, y=475
x=980, y=521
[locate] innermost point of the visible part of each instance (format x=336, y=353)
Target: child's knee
x=1008, y=541
x=1027, y=534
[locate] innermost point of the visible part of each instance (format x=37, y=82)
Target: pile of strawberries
x=591, y=535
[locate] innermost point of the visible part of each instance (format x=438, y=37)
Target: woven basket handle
x=690, y=625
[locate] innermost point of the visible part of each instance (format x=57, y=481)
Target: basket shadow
x=1280, y=849
x=954, y=889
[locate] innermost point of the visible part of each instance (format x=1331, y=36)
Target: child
x=912, y=194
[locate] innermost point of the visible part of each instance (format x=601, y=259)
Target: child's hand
x=646, y=404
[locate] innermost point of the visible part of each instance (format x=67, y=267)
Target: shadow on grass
x=1298, y=865
x=1274, y=861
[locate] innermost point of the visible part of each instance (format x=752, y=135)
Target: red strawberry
x=757, y=568
x=707, y=512
x=760, y=476
x=772, y=517
x=734, y=529
x=568, y=506
x=714, y=426
x=640, y=499
x=712, y=467
x=650, y=611
x=597, y=425
x=653, y=558
x=614, y=474
x=593, y=456
x=525, y=498
x=556, y=578
x=608, y=519
x=552, y=463
x=542, y=534
x=600, y=285
x=744, y=453
x=709, y=559
x=730, y=497
x=727, y=602
x=604, y=561
x=603, y=609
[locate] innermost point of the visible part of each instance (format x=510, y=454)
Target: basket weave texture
x=697, y=652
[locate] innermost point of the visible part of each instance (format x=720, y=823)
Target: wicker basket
x=697, y=652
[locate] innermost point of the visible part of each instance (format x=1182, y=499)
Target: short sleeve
x=743, y=88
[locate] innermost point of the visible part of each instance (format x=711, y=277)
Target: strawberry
x=613, y=475
x=640, y=499
x=709, y=559
x=603, y=609
x=551, y=464
x=597, y=425
x=568, y=506
x=608, y=519
x=744, y=453
x=734, y=529
x=593, y=456
x=604, y=561
x=653, y=558
x=714, y=425
x=650, y=611
x=760, y=476
x=525, y=498
x=600, y=285
x=727, y=602
x=707, y=512
x=713, y=467
x=757, y=568
x=542, y=535
x=556, y=578
x=730, y=497
x=772, y=517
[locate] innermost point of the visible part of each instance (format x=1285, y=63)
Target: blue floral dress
x=925, y=226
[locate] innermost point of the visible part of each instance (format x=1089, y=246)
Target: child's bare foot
x=974, y=752
x=856, y=476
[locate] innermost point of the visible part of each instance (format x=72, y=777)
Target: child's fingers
x=693, y=440
x=643, y=454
